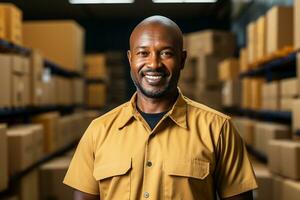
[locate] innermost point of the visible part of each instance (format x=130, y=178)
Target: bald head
x=160, y=24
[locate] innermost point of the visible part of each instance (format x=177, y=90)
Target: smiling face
x=156, y=58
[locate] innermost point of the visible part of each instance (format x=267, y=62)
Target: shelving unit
x=6, y=46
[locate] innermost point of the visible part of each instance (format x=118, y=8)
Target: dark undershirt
x=152, y=118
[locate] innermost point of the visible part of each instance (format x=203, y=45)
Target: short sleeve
x=80, y=173
x=234, y=173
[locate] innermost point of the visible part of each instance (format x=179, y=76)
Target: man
x=160, y=144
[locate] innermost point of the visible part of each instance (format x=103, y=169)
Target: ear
x=183, y=58
x=129, y=56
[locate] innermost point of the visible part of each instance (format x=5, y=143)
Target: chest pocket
x=186, y=179
x=114, y=180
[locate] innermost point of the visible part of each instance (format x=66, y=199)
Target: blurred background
x=63, y=63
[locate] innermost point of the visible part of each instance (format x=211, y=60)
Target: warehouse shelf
x=14, y=48
x=258, y=155
x=283, y=117
x=29, y=111
x=13, y=179
x=276, y=69
x=58, y=70
x=96, y=80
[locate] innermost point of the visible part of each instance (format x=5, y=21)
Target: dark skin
x=156, y=57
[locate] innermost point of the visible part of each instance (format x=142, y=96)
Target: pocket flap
x=195, y=168
x=112, y=169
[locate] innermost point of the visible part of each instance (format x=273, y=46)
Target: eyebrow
x=163, y=48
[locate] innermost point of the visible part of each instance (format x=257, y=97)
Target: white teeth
x=153, y=77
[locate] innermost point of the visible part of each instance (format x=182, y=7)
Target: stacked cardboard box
x=96, y=95
x=245, y=127
x=289, y=91
x=252, y=93
x=28, y=187
x=264, y=132
x=47, y=36
x=264, y=182
x=63, y=90
x=243, y=59
x=199, y=79
x=49, y=88
x=96, y=66
x=297, y=24
x=78, y=86
x=3, y=158
x=246, y=93
x=271, y=96
x=296, y=116
x=252, y=42
x=11, y=23
x=280, y=28
x=261, y=37
x=5, y=81
x=36, y=83
x=50, y=124
x=51, y=176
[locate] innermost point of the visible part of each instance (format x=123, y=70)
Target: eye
x=143, y=53
x=167, y=53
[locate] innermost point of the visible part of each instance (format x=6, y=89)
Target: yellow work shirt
x=193, y=152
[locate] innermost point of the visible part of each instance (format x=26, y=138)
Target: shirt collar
x=178, y=112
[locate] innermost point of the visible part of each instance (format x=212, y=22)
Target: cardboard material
x=264, y=132
x=296, y=115
x=48, y=35
x=261, y=25
x=246, y=93
x=96, y=95
x=211, y=98
x=256, y=91
x=231, y=93
x=36, y=84
x=28, y=188
x=278, y=183
x=280, y=33
x=265, y=183
x=252, y=42
x=291, y=189
x=211, y=42
x=21, y=148
x=3, y=158
x=11, y=23
x=290, y=158
x=275, y=156
x=78, y=86
x=26, y=80
x=18, y=81
x=244, y=66
x=96, y=66
x=51, y=176
x=286, y=104
x=245, y=128
x=50, y=124
x=5, y=81
x=296, y=24
x=289, y=87
x=228, y=69
x=271, y=96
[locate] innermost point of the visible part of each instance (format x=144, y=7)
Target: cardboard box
x=245, y=128
x=36, y=75
x=296, y=24
x=231, y=93
x=28, y=188
x=5, y=81
x=96, y=66
x=21, y=148
x=211, y=98
x=51, y=176
x=78, y=86
x=298, y=71
x=278, y=183
x=279, y=32
x=256, y=88
x=261, y=25
x=18, y=81
x=246, y=93
x=207, y=68
x=211, y=42
x=291, y=189
x=296, y=115
x=60, y=41
x=271, y=96
x=290, y=159
x=26, y=79
x=244, y=66
x=286, y=103
x=289, y=87
x=38, y=131
x=252, y=42
x=50, y=88
x=275, y=156
x=3, y=158
x=264, y=182
x=65, y=135
x=265, y=132
x=228, y=69
x=50, y=124
x=96, y=95
x=11, y=23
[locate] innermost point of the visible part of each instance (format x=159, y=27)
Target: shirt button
x=146, y=194
x=149, y=163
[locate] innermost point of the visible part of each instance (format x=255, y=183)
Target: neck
x=156, y=105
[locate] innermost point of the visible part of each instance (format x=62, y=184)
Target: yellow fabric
x=194, y=152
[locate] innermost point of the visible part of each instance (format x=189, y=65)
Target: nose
x=154, y=61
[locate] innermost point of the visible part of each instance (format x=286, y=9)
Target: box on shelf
x=78, y=86
x=51, y=176
x=11, y=23
x=279, y=32
x=296, y=115
x=228, y=69
x=252, y=42
x=265, y=131
x=50, y=124
x=286, y=103
x=264, y=182
x=96, y=95
x=220, y=43
x=256, y=92
x=26, y=79
x=28, y=187
x=291, y=190
x=3, y=158
x=5, y=81
x=36, y=75
x=243, y=60
x=231, y=93
x=271, y=96
x=296, y=24
x=96, y=66
x=278, y=183
x=245, y=128
x=246, y=93
x=65, y=134
x=261, y=36
x=289, y=87
x=61, y=41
